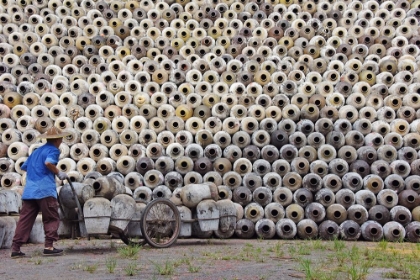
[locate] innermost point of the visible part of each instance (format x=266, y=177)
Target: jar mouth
x=97, y=186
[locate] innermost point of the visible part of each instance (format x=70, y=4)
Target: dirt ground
x=186, y=259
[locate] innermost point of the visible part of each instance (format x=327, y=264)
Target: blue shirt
x=40, y=181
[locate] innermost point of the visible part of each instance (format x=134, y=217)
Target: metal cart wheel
x=160, y=223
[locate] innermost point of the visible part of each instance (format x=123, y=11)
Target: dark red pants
x=50, y=218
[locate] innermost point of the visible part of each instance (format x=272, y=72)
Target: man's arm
x=52, y=168
x=52, y=160
x=60, y=174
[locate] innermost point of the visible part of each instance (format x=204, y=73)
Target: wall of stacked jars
x=305, y=114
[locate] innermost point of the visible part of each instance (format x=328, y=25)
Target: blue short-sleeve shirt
x=40, y=181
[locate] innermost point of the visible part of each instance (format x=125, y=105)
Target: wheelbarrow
x=160, y=222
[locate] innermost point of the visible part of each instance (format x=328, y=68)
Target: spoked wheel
x=160, y=223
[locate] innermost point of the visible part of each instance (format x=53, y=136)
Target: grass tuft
x=383, y=244
x=193, y=269
x=110, y=264
x=129, y=251
x=339, y=245
x=318, y=244
x=130, y=269
x=305, y=265
x=167, y=268
x=91, y=268
x=278, y=250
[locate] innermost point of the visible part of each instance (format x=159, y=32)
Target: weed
x=130, y=269
x=292, y=250
x=129, y=251
x=414, y=271
x=357, y=273
x=249, y=245
x=392, y=275
x=370, y=254
x=365, y=267
x=383, y=244
x=212, y=255
x=354, y=262
x=352, y=270
x=330, y=258
x=415, y=254
x=206, y=254
x=354, y=253
x=38, y=261
x=341, y=257
x=177, y=263
x=249, y=252
x=166, y=269
x=395, y=254
x=317, y=244
x=278, y=250
x=186, y=261
x=339, y=244
x=91, y=268
x=260, y=259
x=303, y=250
x=193, y=269
x=405, y=267
x=111, y=263
x=305, y=264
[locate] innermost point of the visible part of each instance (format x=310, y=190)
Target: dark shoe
x=16, y=255
x=53, y=252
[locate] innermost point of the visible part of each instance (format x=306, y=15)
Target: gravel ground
x=186, y=259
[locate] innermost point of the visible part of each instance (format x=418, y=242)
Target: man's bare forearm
x=52, y=168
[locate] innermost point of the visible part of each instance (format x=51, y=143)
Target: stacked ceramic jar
x=304, y=113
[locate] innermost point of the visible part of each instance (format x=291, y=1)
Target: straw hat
x=53, y=133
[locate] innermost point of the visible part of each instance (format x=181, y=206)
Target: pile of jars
x=309, y=108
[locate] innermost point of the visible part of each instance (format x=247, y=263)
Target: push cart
x=160, y=223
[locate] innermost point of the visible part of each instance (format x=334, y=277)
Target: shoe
x=16, y=255
x=53, y=252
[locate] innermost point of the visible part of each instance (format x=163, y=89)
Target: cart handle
x=79, y=207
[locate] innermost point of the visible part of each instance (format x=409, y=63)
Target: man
x=40, y=194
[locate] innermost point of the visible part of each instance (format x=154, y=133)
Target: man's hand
x=62, y=175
